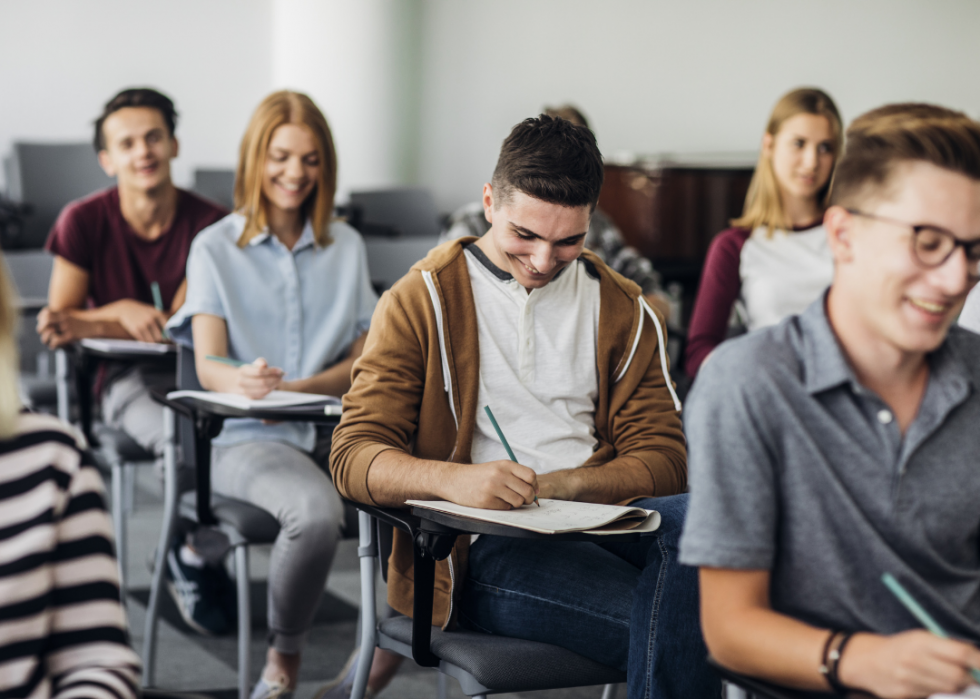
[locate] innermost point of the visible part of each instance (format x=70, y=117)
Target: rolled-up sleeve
x=203, y=293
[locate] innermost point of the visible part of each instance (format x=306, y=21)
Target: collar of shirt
x=306, y=238
x=826, y=367
x=500, y=274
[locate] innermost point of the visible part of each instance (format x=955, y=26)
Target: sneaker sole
x=189, y=620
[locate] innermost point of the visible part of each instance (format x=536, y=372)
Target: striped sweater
x=62, y=628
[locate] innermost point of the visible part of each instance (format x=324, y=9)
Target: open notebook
x=971, y=691
x=557, y=516
x=276, y=400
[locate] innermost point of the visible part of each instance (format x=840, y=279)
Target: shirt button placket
x=293, y=315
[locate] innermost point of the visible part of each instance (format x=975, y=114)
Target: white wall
x=424, y=91
x=63, y=59
x=358, y=61
x=664, y=75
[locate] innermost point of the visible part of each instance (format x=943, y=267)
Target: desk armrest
x=760, y=688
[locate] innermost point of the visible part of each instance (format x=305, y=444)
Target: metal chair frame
x=433, y=542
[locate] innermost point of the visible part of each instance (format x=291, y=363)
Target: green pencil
x=225, y=360
x=503, y=440
x=158, y=303
x=157, y=298
x=908, y=601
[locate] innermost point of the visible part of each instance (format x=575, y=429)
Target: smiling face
x=292, y=167
x=138, y=148
x=896, y=299
x=802, y=156
x=532, y=239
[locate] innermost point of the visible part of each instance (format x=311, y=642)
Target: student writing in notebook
x=569, y=356
x=841, y=444
x=110, y=249
x=283, y=286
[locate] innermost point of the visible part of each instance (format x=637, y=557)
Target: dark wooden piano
x=670, y=208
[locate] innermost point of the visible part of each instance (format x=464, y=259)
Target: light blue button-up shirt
x=300, y=309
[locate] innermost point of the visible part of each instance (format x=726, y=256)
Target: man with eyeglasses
x=842, y=444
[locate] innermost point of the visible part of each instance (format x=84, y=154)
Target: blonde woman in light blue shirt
x=281, y=286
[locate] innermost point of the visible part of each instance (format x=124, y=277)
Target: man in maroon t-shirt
x=111, y=248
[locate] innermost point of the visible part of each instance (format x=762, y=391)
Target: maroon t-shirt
x=92, y=234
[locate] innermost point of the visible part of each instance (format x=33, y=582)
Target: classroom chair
x=482, y=663
x=118, y=454
x=47, y=176
x=244, y=525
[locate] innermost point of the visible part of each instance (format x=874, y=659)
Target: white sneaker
x=277, y=689
x=340, y=687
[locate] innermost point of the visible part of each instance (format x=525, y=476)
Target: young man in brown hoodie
x=568, y=355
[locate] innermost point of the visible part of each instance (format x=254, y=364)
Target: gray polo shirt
x=797, y=469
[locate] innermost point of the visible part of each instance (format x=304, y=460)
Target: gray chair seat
x=121, y=444
x=507, y=664
x=251, y=522
x=39, y=392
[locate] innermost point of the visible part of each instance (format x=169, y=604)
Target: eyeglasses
x=932, y=245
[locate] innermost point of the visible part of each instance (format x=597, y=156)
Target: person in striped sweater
x=62, y=627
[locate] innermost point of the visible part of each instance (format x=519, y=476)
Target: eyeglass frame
x=916, y=229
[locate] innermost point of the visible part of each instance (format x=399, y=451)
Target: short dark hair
x=136, y=97
x=552, y=160
x=884, y=138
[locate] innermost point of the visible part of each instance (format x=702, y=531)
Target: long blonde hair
x=284, y=107
x=9, y=359
x=763, y=203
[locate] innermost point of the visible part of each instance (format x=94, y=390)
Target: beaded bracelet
x=831, y=660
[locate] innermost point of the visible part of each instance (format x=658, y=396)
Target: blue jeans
x=631, y=606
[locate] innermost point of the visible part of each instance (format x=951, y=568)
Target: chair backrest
x=408, y=212
x=399, y=226
x=47, y=176
x=217, y=185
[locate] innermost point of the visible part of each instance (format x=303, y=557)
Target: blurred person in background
x=110, y=249
x=775, y=259
x=62, y=626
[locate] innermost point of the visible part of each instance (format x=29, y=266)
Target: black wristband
x=824, y=659
x=835, y=658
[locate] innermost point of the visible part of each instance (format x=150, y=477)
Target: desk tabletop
x=467, y=525
x=31, y=304
x=205, y=407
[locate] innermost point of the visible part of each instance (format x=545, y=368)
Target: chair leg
x=367, y=551
x=166, y=535
x=61, y=384
x=442, y=688
x=119, y=524
x=609, y=691
x=129, y=482
x=244, y=620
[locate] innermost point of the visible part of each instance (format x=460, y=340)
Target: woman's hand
x=258, y=379
x=907, y=665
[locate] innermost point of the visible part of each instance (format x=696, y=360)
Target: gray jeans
x=126, y=405
x=294, y=487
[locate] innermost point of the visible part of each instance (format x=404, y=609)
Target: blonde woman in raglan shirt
x=774, y=260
